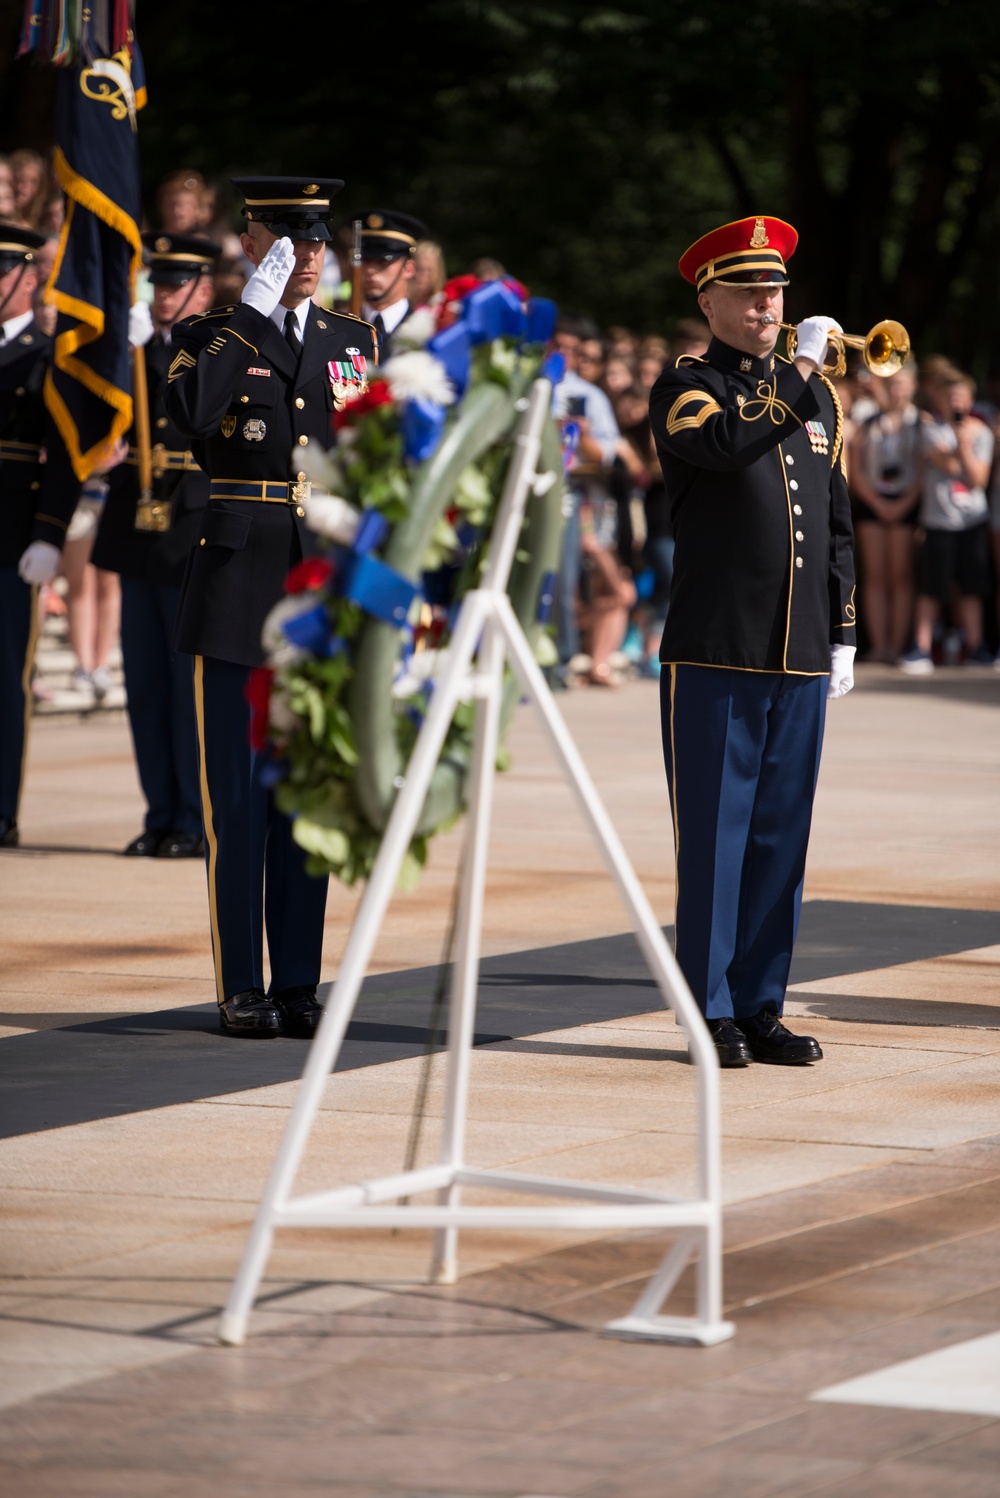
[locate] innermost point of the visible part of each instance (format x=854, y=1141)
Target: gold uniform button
x=799, y=536
x=19, y=390
x=35, y=484
x=299, y=402
x=797, y=509
x=301, y=477
x=793, y=484
x=161, y=421
x=202, y=541
x=798, y=561
x=789, y=459
x=300, y=512
x=245, y=399
x=303, y=441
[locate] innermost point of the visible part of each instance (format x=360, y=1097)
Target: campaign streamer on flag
x=101, y=89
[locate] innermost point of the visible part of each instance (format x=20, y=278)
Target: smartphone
x=576, y=406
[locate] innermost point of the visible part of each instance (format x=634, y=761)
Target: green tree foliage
x=586, y=145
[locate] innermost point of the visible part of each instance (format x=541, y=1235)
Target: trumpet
x=884, y=349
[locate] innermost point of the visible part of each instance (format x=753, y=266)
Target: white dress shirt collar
x=16, y=325
x=301, y=318
x=391, y=316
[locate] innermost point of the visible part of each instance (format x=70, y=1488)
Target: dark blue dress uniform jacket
x=753, y=461
x=37, y=499
x=153, y=556
x=234, y=389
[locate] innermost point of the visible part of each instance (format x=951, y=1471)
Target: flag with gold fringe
x=100, y=92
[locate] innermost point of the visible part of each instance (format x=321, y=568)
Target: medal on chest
x=348, y=378
x=818, y=440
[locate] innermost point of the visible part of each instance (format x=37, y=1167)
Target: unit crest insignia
x=228, y=425
x=758, y=238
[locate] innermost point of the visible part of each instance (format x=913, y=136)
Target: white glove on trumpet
x=813, y=337
x=266, y=286
x=841, y=671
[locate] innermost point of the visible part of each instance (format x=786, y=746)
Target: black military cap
x=298, y=207
x=386, y=234
x=175, y=259
x=17, y=246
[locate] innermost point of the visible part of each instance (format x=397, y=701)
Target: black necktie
x=379, y=327
x=292, y=335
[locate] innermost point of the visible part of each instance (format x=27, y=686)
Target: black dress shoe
x=8, y=832
x=145, y=845
x=730, y=1043
x=770, y=1041
x=181, y=845
x=249, y=1013
x=300, y=1010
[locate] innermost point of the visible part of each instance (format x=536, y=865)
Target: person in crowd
x=590, y=360
x=93, y=599
x=759, y=634
x=691, y=337
x=53, y=214
x=37, y=499
x=248, y=387
x=146, y=542
x=885, y=477
x=8, y=205
x=215, y=222
x=607, y=592
x=619, y=375
x=180, y=202
x=487, y=268
x=954, y=513
x=429, y=272
x=653, y=355
x=32, y=185
x=638, y=452
x=622, y=342
x=388, y=264
x=584, y=409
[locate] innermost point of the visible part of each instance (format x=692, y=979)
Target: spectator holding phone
x=957, y=450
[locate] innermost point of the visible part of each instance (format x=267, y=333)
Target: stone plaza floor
x=862, y=1231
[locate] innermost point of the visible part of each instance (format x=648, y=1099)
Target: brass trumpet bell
x=885, y=349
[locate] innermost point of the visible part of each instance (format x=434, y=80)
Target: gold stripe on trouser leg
x=26, y=670
x=209, y=825
x=673, y=798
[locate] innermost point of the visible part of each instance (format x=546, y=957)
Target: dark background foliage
x=586, y=145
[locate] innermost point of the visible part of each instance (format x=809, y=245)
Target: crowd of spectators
x=923, y=471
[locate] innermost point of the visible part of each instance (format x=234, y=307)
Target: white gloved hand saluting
x=266, y=286
x=812, y=338
x=140, y=324
x=841, y=671
x=39, y=564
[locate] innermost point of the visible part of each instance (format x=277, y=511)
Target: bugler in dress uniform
x=37, y=500
x=148, y=544
x=761, y=613
x=250, y=386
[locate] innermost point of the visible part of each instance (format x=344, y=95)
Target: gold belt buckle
x=300, y=492
x=153, y=515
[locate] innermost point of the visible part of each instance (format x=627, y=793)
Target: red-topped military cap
x=749, y=252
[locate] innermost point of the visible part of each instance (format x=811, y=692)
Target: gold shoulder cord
x=838, y=436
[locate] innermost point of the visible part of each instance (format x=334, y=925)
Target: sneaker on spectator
x=100, y=680
x=81, y=683
x=979, y=657
x=916, y=662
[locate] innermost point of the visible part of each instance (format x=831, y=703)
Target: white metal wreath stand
x=488, y=632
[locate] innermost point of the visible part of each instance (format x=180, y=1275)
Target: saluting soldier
x=760, y=630
x=251, y=386
x=388, y=265
x=148, y=541
x=37, y=500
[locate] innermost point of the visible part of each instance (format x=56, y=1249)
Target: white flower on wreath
x=278, y=649
x=280, y=715
x=329, y=515
x=416, y=330
x=417, y=375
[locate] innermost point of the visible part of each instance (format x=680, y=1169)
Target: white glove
x=40, y=563
x=140, y=324
x=266, y=286
x=841, y=671
x=812, y=338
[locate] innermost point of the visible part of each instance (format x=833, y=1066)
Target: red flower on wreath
x=457, y=289
x=312, y=572
x=258, y=694
x=377, y=394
